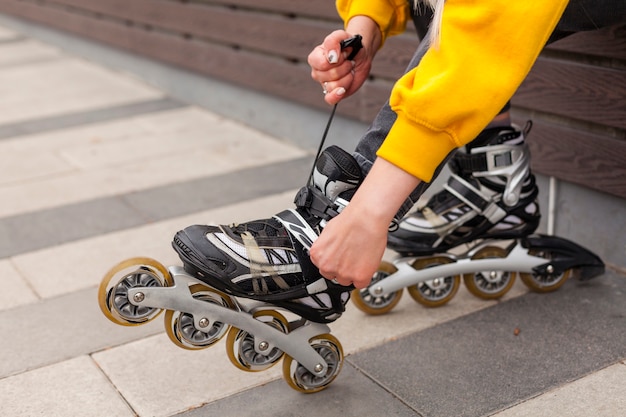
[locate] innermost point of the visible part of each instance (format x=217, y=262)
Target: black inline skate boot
x=490, y=194
x=267, y=260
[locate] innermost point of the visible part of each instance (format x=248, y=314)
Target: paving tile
x=54, y=330
x=352, y=394
x=21, y=166
x=55, y=140
x=15, y=290
x=158, y=378
x=64, y=86
x=90, y=116
x=223, y=141
x=221, y=190
x=72, y=388
x=476, y=365
x=165, y=163
x=26, y=233
x=78, y=265
x=7, y=34
x=601, y=394
x=24, y=51
x=33, y=231
x=358, y=331
x=57, y=144
x=159, y=117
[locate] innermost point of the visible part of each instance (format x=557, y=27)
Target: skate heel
x=566, y=259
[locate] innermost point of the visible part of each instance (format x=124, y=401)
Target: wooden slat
x=608, y=42
x=582, y=92
x=259, y=72
x=277, y=35
x=270, y=33
x=312, y=8
x=391, y=61
x=583, y=158
x=321, y=9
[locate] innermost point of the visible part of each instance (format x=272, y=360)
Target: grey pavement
x=98, y=166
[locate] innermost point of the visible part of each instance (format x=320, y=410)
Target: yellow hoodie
x=486, y=49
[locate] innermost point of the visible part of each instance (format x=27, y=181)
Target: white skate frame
x=518, y=260
x=178, y=298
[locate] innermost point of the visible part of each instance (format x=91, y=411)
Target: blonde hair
x=435, y=26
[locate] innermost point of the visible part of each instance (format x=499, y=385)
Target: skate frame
x=567, y=255
x=179, y=298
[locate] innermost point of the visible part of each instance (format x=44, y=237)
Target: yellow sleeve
x=390, y=15
x=487, y=47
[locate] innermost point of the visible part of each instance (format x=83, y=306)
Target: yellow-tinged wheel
x=544, y=282
x=300, y=379
x=240, y=344
x=374, y=305
x=490, y=284
x=182, y=330
x=434, y=292
x=128, y=274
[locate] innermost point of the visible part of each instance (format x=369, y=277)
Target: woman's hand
x=330, y=67
x=352, y=244
x=350, y=248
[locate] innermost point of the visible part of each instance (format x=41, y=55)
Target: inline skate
x=252, y=282
x=479, y=227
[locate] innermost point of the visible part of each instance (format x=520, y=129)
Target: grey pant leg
x=365, y=152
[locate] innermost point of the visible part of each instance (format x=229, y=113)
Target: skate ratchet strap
x=315, y=202
x=482, y=162
x=487, y=157
x=471, y=196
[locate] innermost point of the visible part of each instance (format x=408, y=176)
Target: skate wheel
x=300, y=379
x=240, y=344
x=131, y=273
x=182, y=330
x=368, y=303
x=434, y=292
x=489, y=285
x=544, y=282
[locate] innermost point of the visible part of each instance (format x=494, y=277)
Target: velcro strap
x=467, y=193
x=479, y=162
x=470, y=163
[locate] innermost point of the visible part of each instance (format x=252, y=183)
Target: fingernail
x=340, y=91
x=332, y=57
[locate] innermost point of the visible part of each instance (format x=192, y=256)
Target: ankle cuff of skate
x=484, y=160
x=316, y=203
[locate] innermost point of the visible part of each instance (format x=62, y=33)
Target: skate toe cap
x=192, y=245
